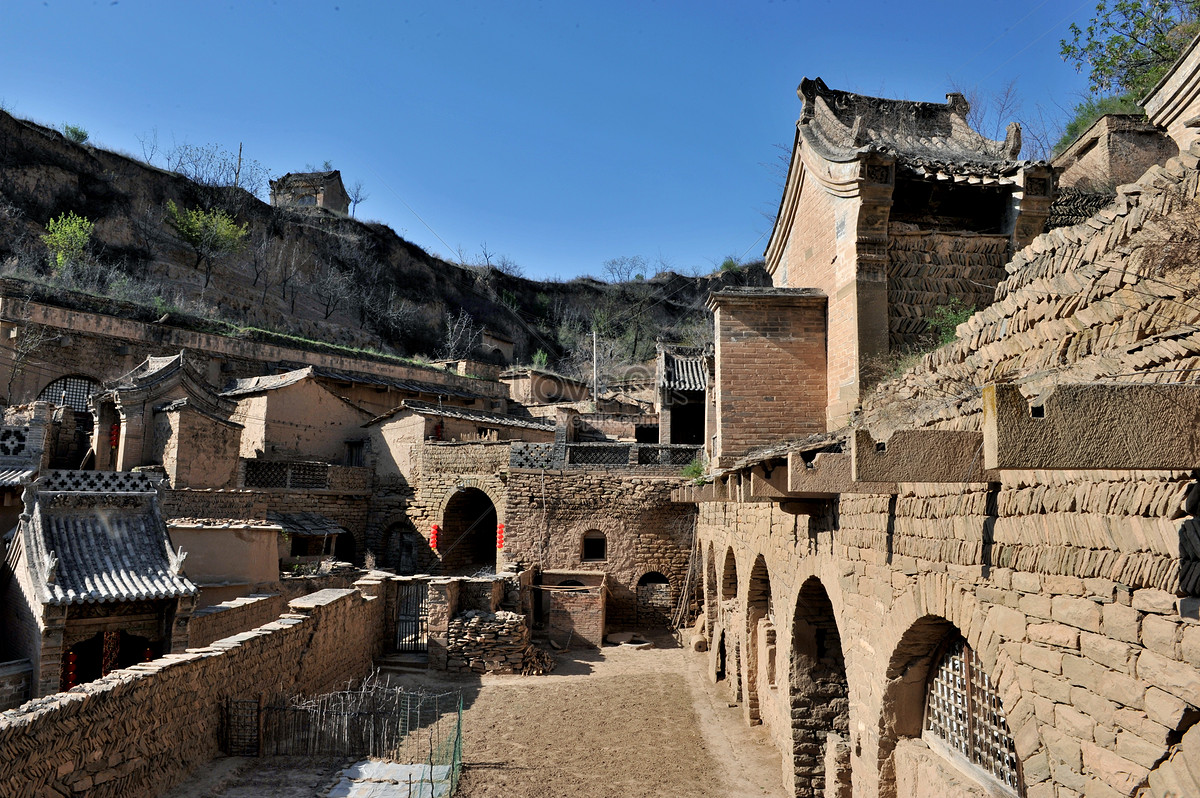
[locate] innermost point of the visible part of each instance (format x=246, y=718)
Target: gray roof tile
x=97, y=548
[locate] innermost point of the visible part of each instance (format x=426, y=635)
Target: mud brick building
x=311, y=190
x=892, y=208
x=986, y=583
x=95, y=584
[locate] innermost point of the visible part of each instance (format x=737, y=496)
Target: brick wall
x=577, y=616
x=770, y=369
x=549, y=513
x=141, y=730
x=233, y=616
x=16, y=679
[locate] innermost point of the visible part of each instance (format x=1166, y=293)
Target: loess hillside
x=309, y=273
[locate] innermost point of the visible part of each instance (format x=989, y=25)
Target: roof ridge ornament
x=175, y=559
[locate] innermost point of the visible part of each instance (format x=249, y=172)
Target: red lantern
x=499, y=536
x=433, y=537
x=114, y=435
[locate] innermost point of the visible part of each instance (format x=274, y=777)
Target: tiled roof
x=15, y=476
x=467, y=414
x=412, y=386
x=684, y=369
x=272, y=381
x=934, y=137
x=99, y=548
x=305, y=524
x=268, y=382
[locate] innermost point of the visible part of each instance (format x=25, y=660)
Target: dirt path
x=621, y=722
x=618, y=722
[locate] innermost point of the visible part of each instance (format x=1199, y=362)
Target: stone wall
x=233, y=616
x=484, y=642
x=1099, y=673
x=105, y=347
x=550, y=512
x=16, y=680
x=141, y=730
x=1076, y=590
x=928, y=270
x=1104, y=300
x=576, y=616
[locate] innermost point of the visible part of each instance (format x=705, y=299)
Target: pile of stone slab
x=486, y=642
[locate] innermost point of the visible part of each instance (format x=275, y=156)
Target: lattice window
x=532, y=455
x=74, y=392
x=598, y=454
x=99, y=481
x=13, y=441
x=963, y=709
x=273, y=474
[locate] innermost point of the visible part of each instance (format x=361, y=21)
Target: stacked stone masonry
x=231, y=617
x=645, y=533
x=1076, y=590
x=141, y=730
x=484, y=642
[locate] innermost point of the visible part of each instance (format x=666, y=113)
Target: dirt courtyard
x=617, y=722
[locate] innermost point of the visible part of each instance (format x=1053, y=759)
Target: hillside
x=310, y=273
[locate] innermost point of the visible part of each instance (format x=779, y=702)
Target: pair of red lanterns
x=434, y=530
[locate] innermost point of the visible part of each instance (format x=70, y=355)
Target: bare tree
x=623, y=269
x=463, y=335
x=332, y=286
x=31, y=339
x=357, y=194
x=288, y=263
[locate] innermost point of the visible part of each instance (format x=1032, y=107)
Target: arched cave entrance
x=74, y=440
x=819, y=696
x=759, y=613
x=403, y=550
x=655, y=600
x=467, y=543
x=710, y=590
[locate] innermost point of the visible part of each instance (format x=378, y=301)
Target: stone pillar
x=441, y=605
x=837, y=766
x=48, y=667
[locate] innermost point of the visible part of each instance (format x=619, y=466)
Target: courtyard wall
x=141, y=730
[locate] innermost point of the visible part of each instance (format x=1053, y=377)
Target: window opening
x=595, y=547
x=355, y=453
x=74, y=392
x=963, y=709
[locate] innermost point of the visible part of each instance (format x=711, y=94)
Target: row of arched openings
x=962, y=711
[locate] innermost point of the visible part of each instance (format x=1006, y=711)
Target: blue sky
x=559, y=134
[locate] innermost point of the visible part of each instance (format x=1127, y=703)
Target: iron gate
x=412, y=619
x=243, y=728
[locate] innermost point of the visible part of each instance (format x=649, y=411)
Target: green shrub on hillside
x=944, y=320
x=75, y=133
x=67, y=237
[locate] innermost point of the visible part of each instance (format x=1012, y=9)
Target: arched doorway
x=759, y=613
x=820, y=697
x=710, y=590
x=729, y=577
x=937, y=689
x=403, y=550
x=74, y=439
x=655, y=600
x=467, y=543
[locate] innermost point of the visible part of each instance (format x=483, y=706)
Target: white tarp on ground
x=375, y=779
